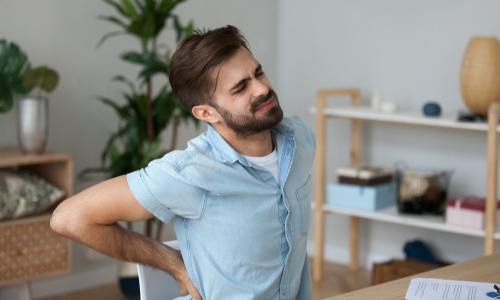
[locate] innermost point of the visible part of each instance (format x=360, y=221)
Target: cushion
x=23, y=193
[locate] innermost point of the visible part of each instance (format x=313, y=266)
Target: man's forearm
x=118, y=242
x=127, y=245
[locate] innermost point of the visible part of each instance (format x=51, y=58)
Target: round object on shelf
x=432, y=109
x=480, y=74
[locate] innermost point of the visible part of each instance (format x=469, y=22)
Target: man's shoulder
x=298, y=125
x=199, y=151
x=292, y=121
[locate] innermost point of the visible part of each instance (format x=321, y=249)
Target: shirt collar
x=227, y=154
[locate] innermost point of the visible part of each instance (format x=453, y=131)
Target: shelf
x=56, y=168
x=402, y=117
x=13, y=156
x=391, y=215
x=357, y=114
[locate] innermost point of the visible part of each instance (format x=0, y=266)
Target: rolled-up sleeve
x=166, y=193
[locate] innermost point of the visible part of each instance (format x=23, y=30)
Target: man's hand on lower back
x=186, y=285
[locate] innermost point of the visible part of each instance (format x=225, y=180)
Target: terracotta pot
x=480, y=74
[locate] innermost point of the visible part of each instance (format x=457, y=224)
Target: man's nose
x=260, y=89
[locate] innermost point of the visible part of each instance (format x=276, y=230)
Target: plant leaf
x=150, y=153
x=118, y=8
x=123, y=79
x=130, y=7
x=136, y=57
x=114, y=20
x=42, y=77
x=13, y=64
x=119, y=110
x=107, y=36
x=6, y=100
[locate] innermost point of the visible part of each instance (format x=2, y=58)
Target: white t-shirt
x=268, y=162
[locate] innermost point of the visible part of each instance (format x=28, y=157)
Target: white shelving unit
x=358, y=114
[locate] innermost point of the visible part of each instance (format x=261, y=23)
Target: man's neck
x=257, y=145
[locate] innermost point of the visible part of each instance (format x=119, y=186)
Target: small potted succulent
x=17, y=80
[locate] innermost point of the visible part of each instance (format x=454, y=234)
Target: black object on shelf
x=466, y=116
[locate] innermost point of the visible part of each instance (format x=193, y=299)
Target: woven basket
x=396, y=269
x=480, y=74
x=31, y=250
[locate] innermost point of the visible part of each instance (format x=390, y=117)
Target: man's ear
x=206, y=113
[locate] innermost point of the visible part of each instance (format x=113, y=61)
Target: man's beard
x=248, y=124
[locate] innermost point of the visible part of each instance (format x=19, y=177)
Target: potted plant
x=145, y=114
x=17, y=80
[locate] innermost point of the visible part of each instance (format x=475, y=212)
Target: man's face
x=244, y=97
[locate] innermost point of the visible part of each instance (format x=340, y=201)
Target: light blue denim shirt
x=242, y=236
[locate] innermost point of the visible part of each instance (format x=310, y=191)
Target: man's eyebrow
x=241, y=82
x=258, y=69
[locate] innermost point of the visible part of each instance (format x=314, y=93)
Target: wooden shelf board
x=402, y=117
x=391, y=215
x=14, y=157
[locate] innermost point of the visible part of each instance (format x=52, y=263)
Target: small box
x=369, y=198
x=364, y=175
x=467, y=212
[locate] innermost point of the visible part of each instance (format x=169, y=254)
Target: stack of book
x=363, y=187
x=365, y=175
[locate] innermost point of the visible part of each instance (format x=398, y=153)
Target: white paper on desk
x=439, y=289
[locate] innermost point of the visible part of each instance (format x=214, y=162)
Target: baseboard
x=341, y=255
x=65, y=284
x=74, y=282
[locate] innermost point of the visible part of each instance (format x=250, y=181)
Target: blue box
x=369, y=198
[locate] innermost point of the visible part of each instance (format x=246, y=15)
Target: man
x=238, y=196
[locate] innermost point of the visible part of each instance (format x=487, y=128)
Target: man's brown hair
x=191, y=66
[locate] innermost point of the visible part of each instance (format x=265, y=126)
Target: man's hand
x=186, y=285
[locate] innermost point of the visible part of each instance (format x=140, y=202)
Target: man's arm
x=91, y=217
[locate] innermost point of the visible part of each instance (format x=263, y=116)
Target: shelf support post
x=320, y=184
x=492, y=180
x=355, y=161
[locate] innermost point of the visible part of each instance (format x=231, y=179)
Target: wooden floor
x=337, y=280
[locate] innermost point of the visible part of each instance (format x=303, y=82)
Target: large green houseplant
x=144, y=114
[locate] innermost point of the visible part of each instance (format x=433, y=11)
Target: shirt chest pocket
x=303, y=196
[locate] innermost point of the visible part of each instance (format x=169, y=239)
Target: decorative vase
x=480, y=74
x=32, y=124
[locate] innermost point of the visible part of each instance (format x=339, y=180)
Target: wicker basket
x=29, y=249
x=422, y=190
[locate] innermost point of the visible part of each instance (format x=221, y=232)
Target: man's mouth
x=266, y=105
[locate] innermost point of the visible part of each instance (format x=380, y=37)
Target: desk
x=483, y=269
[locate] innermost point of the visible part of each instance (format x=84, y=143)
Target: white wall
x=63, y=35
x=412, y=52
